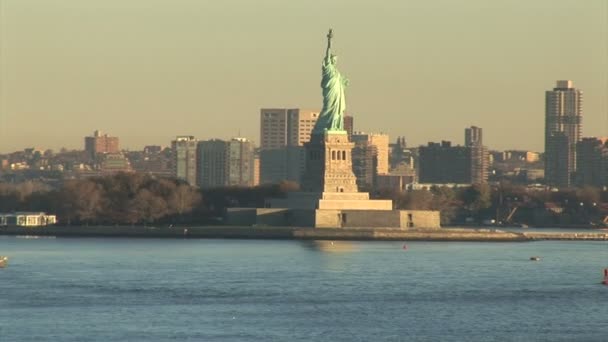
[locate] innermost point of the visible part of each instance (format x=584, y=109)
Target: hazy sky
x=148, y=70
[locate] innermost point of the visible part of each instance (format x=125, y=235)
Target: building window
x=333, y=155
x=343, y=155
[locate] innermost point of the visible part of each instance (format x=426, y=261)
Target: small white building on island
x=27, y=219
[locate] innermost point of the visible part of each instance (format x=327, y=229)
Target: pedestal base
x=329, y=200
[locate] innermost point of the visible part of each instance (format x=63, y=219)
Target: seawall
x=603, y=236
x=225, y=232
x=290, y=233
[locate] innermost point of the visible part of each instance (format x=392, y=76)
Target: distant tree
x=81, y=200
x=9, y=199
x=477, y=197
x=415, y=200
x=147, y=207
x=444, y=200
x=41, y=201
x=25, y=189
x=183, y=199
x=161, y=187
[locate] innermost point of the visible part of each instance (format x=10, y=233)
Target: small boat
x=3, y=261
x=535, y=258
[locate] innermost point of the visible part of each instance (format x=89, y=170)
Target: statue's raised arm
x=330, y=35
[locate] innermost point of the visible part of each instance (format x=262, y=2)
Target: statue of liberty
x=334, y=102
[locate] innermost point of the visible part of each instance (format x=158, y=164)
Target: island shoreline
x=300, y=233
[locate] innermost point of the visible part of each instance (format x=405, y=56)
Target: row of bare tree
x=130, y=198
x=124, y=198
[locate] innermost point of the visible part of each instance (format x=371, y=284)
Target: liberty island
x=329, y=196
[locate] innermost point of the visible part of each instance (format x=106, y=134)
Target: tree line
x=132, y=198
x=135, y=198
x=506, y=203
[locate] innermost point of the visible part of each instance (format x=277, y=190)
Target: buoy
x=605, y=281
x=404, y=246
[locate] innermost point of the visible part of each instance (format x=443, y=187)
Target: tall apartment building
x=212, y=163
x=183, y=150
x=443, y=163
x=473, y=136
x=563, y=123
x=283, y=133
x=380, y=141
x=369, y=157
x=225, y=163
x=365, y=162
x=100, y=144
x=241, y=167
x=480, y=162
x=592, y=162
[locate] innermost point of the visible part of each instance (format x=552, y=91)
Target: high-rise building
x=225, y=163
x=443, y=163
x=281, y=127
x=563, y=122
x=365, y=163
x=592, y=162
x=183, y=149
x=212, y=163
x=480, y=162
x=380, y=142
x=473, y=136
x=241, y=166
x=100, y=144
x=283, y=133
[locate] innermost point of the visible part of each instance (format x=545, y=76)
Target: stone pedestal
x=329, y=166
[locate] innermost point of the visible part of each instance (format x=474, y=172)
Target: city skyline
x=423, y=71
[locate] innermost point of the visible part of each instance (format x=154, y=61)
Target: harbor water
x=120, y=289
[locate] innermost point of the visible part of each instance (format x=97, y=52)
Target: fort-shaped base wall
x=333, y=218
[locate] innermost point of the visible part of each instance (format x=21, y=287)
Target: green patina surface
x=333, y=84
